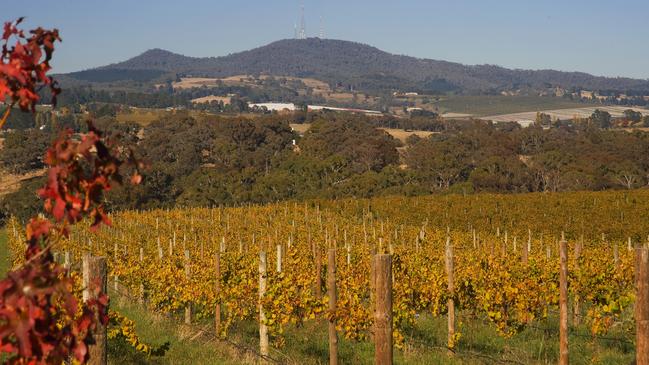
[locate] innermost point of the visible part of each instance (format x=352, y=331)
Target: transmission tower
x=322, y=34
x=302, y=33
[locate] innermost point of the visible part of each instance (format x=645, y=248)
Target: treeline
x=506, y=158
x=77, y=96
x=165, y=96
x=237, y=160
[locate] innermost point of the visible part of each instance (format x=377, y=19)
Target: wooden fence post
x=217, y=309
x=372, y=277
x=451, y=290
x=318, y=274
x=331, y=291
x=563, y=302
x=188, y=308
x=279, y=258
x=94, y=283
x=383, y=309
x=475, y=246
x=66, y=263
x=349, y=252
x=141, y=293
x=263, y=329
x=116, y=278
x=642, y=306
x=576, y=305
x=526, y=252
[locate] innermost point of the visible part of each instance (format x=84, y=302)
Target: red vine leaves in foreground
x=41, y=320
x=24, y=66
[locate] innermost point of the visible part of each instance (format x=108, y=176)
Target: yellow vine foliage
x=488, y=234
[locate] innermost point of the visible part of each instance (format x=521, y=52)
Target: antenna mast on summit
x=302, y=33
x=322, y=35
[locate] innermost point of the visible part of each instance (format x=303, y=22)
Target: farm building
x=274, y=106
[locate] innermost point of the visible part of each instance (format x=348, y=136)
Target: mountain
x=156, y=59
x=355, y=64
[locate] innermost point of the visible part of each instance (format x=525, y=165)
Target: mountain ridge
x=363, y=66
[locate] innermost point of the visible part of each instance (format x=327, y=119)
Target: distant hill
x=354, y=64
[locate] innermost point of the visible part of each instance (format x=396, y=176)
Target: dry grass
x=10, y=183
x=190, y=82
x=210, y=98
x=300, y=128
x=456, y=115
x=563, y=114
x=140, y=116
x=247, y=80
x=402, y=134
x=399, y=134
x=316, y=84
x=635, y=129
x=145, y=116
x=317, y=87
x=344, y=96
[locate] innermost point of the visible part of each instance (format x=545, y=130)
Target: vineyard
x=489, y=258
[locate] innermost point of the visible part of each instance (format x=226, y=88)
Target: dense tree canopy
x=363, y=147
x=228, y=160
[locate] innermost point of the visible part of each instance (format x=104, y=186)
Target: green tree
x=442, y=162
x=601, y=119
x=23, y=203
x=498, y=174
x=543, y=119
x=23, y=150
x=363, y=147
x=632, y=115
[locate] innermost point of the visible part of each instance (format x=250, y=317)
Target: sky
x=601, y=37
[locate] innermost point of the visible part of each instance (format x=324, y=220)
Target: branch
x=5, y=116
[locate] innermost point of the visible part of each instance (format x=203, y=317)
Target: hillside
x=354, y=64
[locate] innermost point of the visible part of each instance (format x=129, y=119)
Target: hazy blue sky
x=602, y=37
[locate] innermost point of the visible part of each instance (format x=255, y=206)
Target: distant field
x=300, y=128
x=210, y=98
x=494, y=105
x=402, y=134
x=189, y=82
x=245, y=80
x=10, y=183
x=563, y=114
x=399, y=134
x=142, y=116
x=145, y=116
x=318, y=87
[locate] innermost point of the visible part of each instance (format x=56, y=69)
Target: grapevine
x=488, y=233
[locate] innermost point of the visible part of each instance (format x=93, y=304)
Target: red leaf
x=136, y=179
x=4, y=89
x=59, y=209
x=80, y=352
